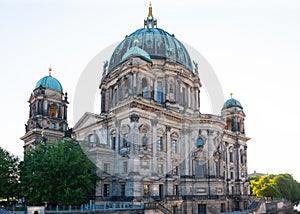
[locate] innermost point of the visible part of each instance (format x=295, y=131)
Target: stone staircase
x=161, y=206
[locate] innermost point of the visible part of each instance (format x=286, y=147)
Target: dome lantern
x=150, y=22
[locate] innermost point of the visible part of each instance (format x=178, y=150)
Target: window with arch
x=184, y=96
x=231, y=156
x=171, y=90
x=53, y=110
x=125, y=88
x=217, y=168
x=174, y=146
x=159, y=143
x=92, y=138
x=159, y=92
x=145, y=88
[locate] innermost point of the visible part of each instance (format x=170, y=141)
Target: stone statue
x=195, y=67
x=145, y=140
x=105, y=64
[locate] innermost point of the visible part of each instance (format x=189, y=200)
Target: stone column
x=117, y=148
x=168, y=150
x=238, y=167
x=185, y=142
x=134, y=184
x=188, y=96
x=154, y=146
x=134, y=139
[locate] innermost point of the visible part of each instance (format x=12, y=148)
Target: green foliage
x=276, y=186
x=288, y=187
x=9, y=175
x=58, y=174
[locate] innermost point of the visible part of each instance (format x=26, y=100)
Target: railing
x=100, y=207
x=203, y=197
x=173, y=198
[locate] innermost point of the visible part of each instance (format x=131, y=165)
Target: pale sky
x=252, y=45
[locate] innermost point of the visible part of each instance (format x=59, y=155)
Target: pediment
x=87, y=119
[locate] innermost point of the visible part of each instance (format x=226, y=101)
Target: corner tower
x=233, y=114
x=47, y=113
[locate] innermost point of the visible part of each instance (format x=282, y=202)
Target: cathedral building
x=150, y=142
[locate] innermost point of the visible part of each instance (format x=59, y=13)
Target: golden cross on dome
x=50, y=70
x=231, y=95
x=150, y=22
x=150, y=15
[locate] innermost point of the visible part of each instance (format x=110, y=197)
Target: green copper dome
x=232, y=103
x=49, y=82
x=158, y=43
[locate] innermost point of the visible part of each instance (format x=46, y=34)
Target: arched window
x=184, y=96
x=125, y=88
x=171, y=90
x=53, y=110
x=159, y=143
x=159, y=92
x=92, y=138
x=217, y=169
x=231, y=156
x=174, y=146
x=145, y=88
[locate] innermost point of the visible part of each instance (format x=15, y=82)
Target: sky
x=253, y=47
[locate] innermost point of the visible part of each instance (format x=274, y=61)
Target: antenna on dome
x=150, y=22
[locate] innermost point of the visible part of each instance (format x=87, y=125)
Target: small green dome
x=136, y=52
x=49, y=82
x=232, y=103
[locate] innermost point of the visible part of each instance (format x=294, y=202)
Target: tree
x=59, y=174
x=288, y=187
x=265, y=187
x=276, y=186
x=9, y=175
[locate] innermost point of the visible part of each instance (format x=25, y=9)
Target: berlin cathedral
x=150, y=142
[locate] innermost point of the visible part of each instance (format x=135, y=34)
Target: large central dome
x=158, y=43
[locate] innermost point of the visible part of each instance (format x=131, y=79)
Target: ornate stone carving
x=168, y=128
x=154, y=121
x=134, y=118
